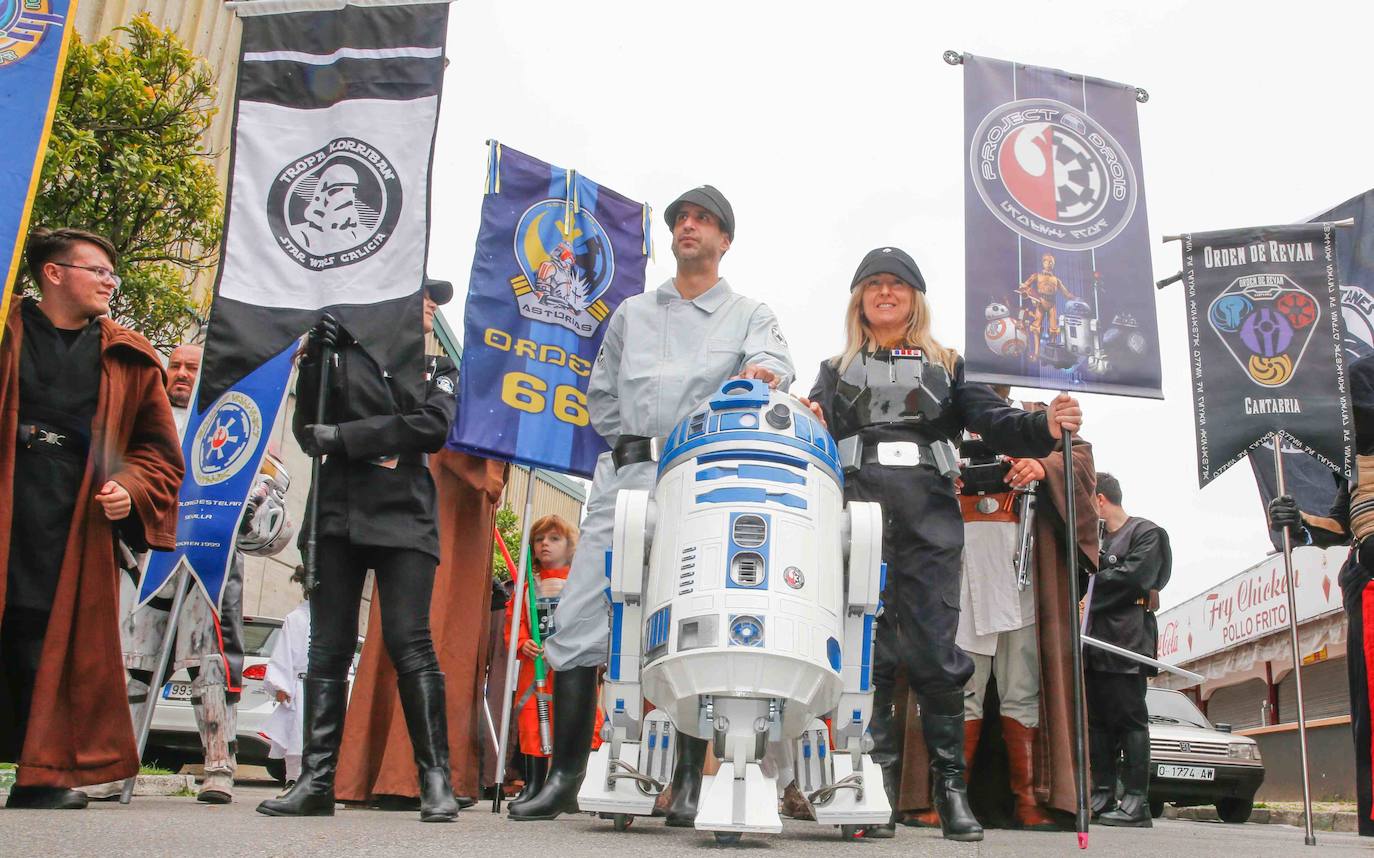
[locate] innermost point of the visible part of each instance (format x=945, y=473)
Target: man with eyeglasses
x=88, y=452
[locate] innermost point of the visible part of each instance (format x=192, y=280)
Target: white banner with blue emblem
x=223, y=448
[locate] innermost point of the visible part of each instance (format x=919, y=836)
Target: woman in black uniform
x=896, y=400
x=376, y=512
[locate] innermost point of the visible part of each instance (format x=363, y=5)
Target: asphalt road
x=180, y=827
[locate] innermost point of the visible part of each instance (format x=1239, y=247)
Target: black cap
x=889, y=260
x=710, y=199
x=440, y=291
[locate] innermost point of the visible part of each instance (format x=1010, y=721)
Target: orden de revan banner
x=1265, y=331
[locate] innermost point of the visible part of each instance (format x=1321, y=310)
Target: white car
x=1193, y=761
x=174, y=740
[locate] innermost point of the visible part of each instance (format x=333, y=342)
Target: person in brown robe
x=376, y=762
x=102, y=426
x=1053, y=744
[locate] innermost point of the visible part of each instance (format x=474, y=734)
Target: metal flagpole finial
x=1141, y=95
x=1172, y=278
x=954, y=58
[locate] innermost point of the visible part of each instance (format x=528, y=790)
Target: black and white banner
x=1265, y=329
x=1305, y=478
x=337, y=105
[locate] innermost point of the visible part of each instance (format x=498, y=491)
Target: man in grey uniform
x=663, y=353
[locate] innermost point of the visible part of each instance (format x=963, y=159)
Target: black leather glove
x=321, y=439
x=325, y=334
x=1285, y=515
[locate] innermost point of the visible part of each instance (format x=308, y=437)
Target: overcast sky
x=834, y=128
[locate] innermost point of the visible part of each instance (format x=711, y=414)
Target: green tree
x=508, y=524
x=126, y=159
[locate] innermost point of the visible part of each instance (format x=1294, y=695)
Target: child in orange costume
x=553, y=541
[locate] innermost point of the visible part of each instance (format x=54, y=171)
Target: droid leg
x=739, y=797
x=616, y=779
x=855, y=794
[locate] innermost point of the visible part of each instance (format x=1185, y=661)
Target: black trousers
x=1116, y=707
x=21, y=646
x=923, y=538
x=1357, y=594
x=1116, y=702
x=405, y=582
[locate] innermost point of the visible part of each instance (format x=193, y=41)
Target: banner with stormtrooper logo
x=1059, y=292
x=556, y=254
x=328, y=204
x=223, y=447
x=1306, y=479
x=1267, y=351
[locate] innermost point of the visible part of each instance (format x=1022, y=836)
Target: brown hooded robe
x=1054, y=755
x=80, y=731
x=376, y=758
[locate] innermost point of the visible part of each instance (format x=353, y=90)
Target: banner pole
x=321, y=403
x=1308, y=837
x=517, y=603
x=1080, y=753
x=164, y=656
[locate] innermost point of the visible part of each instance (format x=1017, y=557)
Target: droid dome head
x=996, y=310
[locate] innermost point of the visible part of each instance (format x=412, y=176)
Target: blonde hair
x=557, y=524
x=858, y=336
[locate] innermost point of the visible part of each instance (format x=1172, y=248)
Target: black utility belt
x=938, y=455
x=634, y=449
x=48, y=438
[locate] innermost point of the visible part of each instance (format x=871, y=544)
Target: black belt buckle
x=633, y=449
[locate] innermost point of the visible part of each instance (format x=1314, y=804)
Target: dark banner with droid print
x=1265, y=333
x=1056, y=243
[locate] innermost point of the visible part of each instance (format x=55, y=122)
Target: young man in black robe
x=1135, y=564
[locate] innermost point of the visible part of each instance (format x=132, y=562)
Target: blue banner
x=223, y=446
x=33, y=51
x=556, y=254
x=1056, y=243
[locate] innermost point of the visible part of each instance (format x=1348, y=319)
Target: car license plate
x=176, y=691
x=1187, y=773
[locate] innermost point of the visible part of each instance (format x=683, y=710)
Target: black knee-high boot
x=1134, y=809
x=536, y=770
x=1102, y=754
x=422, y=700
x=887, y=754
x=687, y=773
x=942, y=722
x=313, y=794
x=574, y=697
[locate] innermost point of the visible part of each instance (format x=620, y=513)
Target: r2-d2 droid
x=1079, y=326
x=743, y=594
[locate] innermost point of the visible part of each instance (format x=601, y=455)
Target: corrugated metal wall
x=207, y=28
x=548, y=499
